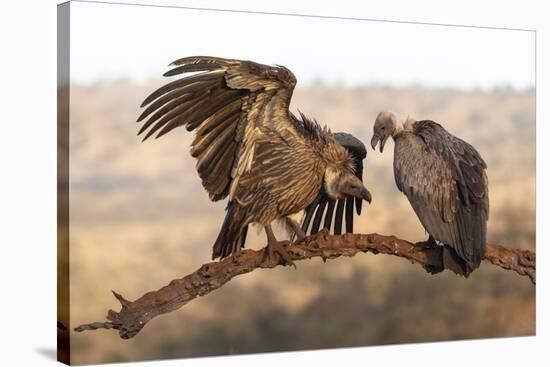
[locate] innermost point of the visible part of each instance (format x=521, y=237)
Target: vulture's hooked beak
x=365, y=195
x=351, y=186
x=375, y=140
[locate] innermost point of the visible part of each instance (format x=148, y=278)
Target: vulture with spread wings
x=269, y=163
x=445, y=181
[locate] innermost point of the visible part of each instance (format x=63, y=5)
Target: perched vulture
x=445, y=181
x=249, y=147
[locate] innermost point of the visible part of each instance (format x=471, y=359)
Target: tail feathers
x=232, y=234
x=453, y=262
x=472, y=233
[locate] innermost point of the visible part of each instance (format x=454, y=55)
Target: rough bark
x=134, y=315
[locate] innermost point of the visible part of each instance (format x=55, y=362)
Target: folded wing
x=444, y=179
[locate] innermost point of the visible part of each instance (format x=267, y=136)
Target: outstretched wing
x=333, y=210
x=229, y=104
x=444, y=179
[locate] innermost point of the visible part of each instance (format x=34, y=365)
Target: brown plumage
x=249, y=148
x=332, y=210
x=445, y=181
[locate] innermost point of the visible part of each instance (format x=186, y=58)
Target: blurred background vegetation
x=140, y=217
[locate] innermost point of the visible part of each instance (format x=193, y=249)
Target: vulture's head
x=384, y=127
x=344, y=183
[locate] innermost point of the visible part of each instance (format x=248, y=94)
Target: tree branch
x=134, y=315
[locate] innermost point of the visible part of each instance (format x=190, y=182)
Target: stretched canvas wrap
x=237, y=173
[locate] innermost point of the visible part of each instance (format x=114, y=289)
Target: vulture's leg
x=296, y=228
x=275, y=247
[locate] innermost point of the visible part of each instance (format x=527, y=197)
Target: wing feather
x=349, y=215
x=188, y=68
x=329, y=213
x=175, y=95
x=310, y=210
x=339, y=216
x=162, y=118
x=191, y=84
x=212, y=130
x=319, y=215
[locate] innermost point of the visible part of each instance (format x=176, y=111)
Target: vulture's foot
x=276, y=249
x=429, y=244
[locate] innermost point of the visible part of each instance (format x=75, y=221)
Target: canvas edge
x=63, y=109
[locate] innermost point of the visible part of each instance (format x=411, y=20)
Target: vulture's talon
x=429, y=244
x=276, y=248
